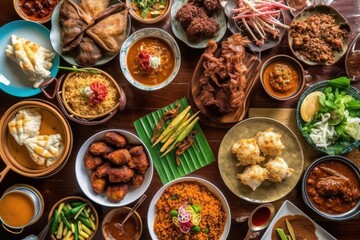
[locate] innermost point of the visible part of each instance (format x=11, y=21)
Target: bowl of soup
x=132, y=227
x=149, y=12
x=21, y=205
x=36, y=139
x=282, y=77
x=331, y=187
x=150, y=59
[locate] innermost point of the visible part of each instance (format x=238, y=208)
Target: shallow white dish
x=19, y=85
x=212, y=188
x=287, y=208
x=82, y=174
x=55, y=37
x=149, y=32
x=179, y=31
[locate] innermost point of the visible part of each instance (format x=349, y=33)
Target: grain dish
x=89, y=95
x=211, y=226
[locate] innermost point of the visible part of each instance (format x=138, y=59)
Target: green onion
x=75, y=69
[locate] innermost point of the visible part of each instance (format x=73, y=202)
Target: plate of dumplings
x=89, y=32
x=27, y=58
x=260, y=160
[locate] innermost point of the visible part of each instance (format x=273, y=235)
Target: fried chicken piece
x=100, y=148
x=188, y=12
x=120, y=174
x=91, y=161
x=98, y=184
x=115, y=139
x=119, y=157
x=102, y=170
x=137, y=180
x=117, y=193
x=140, y=159
x=201, y=28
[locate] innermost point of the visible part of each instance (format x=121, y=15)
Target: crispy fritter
x=117, y=193
x=97, y=184
x=201, y=28
x=91, y=161
x=115, y=139
x=188, y=12
x=102, y=170
x=140, y=159
x=100, y=148
x=270, y=142
x=247, y=152
x=119, y=157
x=120, y=174
x=137, y=180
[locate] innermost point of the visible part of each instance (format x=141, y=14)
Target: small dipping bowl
x=36, y=11
x=297, y=77
x=20, y=206
x=133, y=226
x=341, y=165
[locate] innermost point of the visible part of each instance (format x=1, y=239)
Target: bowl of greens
x=328, y=116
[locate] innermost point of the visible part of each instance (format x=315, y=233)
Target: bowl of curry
x=150, y=59
x=282, y=77
x=37, y=11
x=149, y=12
x=331, y=187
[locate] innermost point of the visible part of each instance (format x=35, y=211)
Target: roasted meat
x=100, y=148
x=337, y=186
x=91, y=161
x=115, y=139
x=102, y=170
x=117, y=193
x=120, y=174
x=137, y=180
x=97, y=184
x=119, y=157
x=140, y=159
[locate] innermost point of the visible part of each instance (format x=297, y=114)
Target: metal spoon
x=41, y=235
x=137, y=204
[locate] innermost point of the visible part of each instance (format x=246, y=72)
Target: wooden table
x=140, y=103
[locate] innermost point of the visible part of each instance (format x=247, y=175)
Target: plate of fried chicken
x=114, y=168
x=195, y=22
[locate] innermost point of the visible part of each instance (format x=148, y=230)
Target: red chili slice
x=99, y=92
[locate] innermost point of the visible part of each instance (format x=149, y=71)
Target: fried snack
x=253, y=176
x=119, y=157
x=97, y=184
x=103, y=170
x=247, y=152
x=115, y=139
x=100, y=148
x=120, y=174
x=278, y=169
x=91, y=161
x=137, y=180
x=117, y=193
x=269, y=142
x=140, y=159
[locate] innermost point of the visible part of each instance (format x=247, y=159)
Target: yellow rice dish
x=79, y=97
x=213, y=216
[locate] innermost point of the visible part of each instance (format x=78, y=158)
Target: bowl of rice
x=179, y=208
x=88, y=96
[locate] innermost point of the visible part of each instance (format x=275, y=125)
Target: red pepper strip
x=144, y=61
x=99, y=92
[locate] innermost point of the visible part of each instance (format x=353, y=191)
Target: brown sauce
x=155, y=46
x=16, y=209
x=329, y=193
x=261, y=216
x=131, y=230
x=302, y=226
x=281, y=79
x=37, y=9
x=50, y=124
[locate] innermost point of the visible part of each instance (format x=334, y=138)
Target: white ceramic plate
x=179, y=31
x=55, y=36
x=212, y=188
x=19, y=85
x=82, y=174
x=287, y=208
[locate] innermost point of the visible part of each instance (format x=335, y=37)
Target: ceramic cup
x=32, y=200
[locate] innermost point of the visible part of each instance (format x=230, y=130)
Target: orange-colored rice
x=212, y=213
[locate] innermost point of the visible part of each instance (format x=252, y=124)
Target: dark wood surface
x=140, y=103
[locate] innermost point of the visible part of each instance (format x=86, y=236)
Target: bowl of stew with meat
x=35, y=10
x=331, y=187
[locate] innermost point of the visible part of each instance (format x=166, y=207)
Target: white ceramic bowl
x=82, y=174
x=212, y=188
x=149, y=32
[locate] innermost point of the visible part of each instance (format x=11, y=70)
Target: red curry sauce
x=37, y=9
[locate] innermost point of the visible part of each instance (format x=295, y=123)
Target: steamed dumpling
x=269, y=142
x=247, y=152
x=44, y=149
x=253, y=176
x=25, y=124
x=278, y=169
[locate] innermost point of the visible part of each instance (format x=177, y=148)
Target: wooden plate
x=253, y=65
